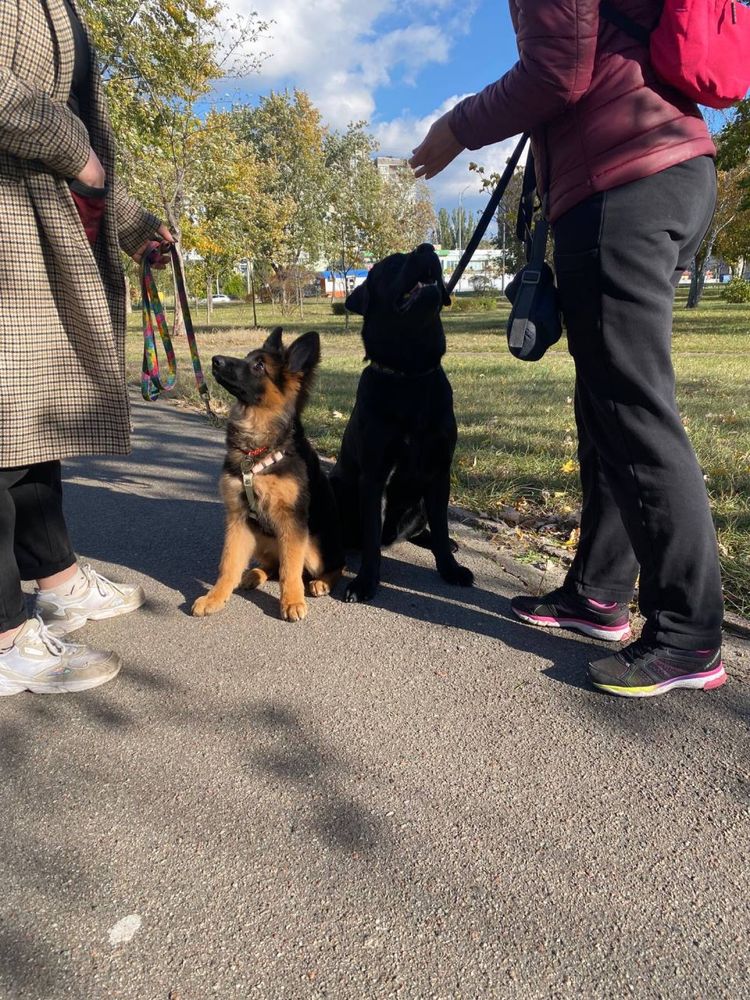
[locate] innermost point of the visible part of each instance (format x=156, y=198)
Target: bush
x=338, y=308
x=738, y=290
x=473, y=303
x=235, y=286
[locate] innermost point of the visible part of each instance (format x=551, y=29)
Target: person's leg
x=68, y=594
x=620, y=339
x=604, y=568
x=33, y=545
x=12, y=601
x=42, y=545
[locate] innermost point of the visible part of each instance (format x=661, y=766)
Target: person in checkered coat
x=64, y=219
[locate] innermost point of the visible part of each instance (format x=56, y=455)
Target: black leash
x=489, y=213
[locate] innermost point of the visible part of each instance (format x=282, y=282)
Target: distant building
x=485, y=269
x=390, y=166
x=337, y=285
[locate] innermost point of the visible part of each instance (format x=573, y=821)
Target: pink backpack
x=700, y=47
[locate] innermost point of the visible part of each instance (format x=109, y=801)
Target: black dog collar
x=393, y=371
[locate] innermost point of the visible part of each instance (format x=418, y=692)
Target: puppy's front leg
x=365, y=584
x=239, y=544
x=436, y=499
x=292, y=548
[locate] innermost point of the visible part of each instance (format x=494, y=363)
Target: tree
x=445, y=235
x=729, y=216
x=514, y=251
x=401, y=214
x=160, y=61
x=286, y=133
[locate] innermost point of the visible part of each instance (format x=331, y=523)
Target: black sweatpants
x=619, y=256
x=34, y=540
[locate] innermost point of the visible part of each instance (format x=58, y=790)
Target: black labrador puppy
x=392, y=477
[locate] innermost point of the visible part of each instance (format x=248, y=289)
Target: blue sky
x=396, y=63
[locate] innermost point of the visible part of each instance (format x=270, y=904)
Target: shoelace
x=53, y=644
x=631, y=653
x=94, y=579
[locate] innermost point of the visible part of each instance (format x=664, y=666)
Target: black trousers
x=34, y=540
x=619, y=256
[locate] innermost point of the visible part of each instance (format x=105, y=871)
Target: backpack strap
x=626, y=24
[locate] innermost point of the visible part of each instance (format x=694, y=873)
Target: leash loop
x=152, y=385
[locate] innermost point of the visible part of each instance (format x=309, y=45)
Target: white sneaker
x=39, y=662
x=92, y=598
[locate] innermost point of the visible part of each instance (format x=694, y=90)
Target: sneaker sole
x=607, y=633
x=71, y=687
x=701, y=682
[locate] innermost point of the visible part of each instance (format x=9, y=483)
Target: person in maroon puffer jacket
x=627, y=164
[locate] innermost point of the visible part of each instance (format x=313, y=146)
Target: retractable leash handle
x=152, y=385
x=488, y=214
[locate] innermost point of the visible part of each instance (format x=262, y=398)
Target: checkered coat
x=62, y=305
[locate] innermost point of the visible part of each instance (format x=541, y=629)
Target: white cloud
x=340, y=52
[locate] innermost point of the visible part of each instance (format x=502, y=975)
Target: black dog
x=398, y=445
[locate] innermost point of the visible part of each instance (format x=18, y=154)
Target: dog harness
x=249, y=468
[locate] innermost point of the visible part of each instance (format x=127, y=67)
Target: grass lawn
x=516, y=446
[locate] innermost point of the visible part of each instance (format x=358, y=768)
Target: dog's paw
x=294, y=611
x=207, y=605
x=318, y=588
x=360, y=590
x=457, y=575
x=252, y=579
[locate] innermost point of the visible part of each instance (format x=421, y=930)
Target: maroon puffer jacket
x=591, y=89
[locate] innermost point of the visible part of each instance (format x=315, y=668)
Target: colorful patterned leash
x=154, y=318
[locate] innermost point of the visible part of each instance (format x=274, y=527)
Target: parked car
x=217, y=300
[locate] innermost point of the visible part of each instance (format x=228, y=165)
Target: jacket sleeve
x=35, y=127
x=134, y=224
x=556, y=45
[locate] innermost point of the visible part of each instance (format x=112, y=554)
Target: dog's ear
x=358, y=299
x=273, y=341
x=304, y=354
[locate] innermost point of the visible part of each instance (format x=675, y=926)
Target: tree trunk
x=128, y=299
x=209, y=298
x=698, y=277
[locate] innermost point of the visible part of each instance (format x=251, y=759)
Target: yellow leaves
x=570, y=467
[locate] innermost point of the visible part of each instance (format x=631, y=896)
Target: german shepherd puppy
x=392, y=477
x=280, y=509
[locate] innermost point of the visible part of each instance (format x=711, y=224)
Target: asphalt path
x=418, y=798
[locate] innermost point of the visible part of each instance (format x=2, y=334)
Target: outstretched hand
x=438, y=148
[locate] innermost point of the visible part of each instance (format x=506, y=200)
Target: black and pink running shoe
x=563, y=609
x=642, y=670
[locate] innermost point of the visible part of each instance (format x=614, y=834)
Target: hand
x=93, y=173
x=438, y=148
x=160, y=260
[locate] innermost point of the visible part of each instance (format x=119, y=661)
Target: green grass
x=516, y=426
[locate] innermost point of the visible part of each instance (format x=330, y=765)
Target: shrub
x=738, y=290
x=338, y=308
x=473, y=303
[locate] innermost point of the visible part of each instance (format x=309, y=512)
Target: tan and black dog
x=280, y=509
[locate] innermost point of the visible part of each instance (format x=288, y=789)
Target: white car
x=217, y=300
